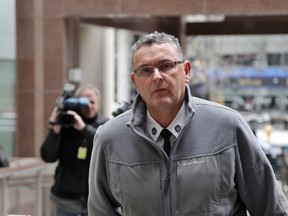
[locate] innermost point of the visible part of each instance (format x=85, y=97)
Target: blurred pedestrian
x=71, y=146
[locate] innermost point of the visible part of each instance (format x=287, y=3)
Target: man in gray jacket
x=209, y=164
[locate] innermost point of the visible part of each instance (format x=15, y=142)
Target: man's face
x=161, y=90
x=92, y=110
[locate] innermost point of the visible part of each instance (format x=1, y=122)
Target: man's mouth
x=159, y=90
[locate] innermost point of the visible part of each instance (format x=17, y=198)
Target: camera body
x=66, y=101
x=122, y=107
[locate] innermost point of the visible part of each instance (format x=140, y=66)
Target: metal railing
x=31, y=173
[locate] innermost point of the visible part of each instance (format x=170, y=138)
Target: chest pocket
x=136, y=183
x=198, y=185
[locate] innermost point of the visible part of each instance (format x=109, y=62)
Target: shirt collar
x=175, y=127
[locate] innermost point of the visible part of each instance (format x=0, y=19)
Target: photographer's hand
x=52, y=121
x=78, y=123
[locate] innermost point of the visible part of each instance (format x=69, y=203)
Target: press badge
x=82, y=153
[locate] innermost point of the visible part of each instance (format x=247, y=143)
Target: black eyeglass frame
x=157, y=66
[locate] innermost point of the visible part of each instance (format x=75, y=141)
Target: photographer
x=71, y=146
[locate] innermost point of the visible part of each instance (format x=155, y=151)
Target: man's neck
x=164, y=116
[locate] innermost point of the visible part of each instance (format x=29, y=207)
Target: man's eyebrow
x=144, y=65
x=160, y=62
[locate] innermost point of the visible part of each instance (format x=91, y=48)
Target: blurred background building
x=247, y=73
x=7, y=76
x=238, y=50
x=239, y=53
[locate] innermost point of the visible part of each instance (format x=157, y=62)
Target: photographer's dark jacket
x=216, y=167
x=71, y=176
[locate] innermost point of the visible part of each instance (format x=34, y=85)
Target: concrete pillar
x=42, y=66
x=123, y=68
x=108, y=71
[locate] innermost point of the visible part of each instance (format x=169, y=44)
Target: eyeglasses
x=167, y=67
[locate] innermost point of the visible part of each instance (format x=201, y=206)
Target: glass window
x=274, y=59
x=7, y=107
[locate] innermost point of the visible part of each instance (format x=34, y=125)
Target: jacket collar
x=138, y=115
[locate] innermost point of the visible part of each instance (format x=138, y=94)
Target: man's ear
x=132, y=77
x=187, y=71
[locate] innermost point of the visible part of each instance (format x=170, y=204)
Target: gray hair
x=157, y=38
x=91, y=87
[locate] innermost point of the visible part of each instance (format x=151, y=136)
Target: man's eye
x=166, y=66
x=146, y=70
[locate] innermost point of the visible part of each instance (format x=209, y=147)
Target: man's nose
x=157, y=74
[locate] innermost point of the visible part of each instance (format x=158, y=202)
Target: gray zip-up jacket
x=216, y=167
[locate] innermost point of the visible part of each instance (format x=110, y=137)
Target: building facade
x=52, y=41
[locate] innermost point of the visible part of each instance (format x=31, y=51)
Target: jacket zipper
x=167, y=181
x=167, y=187
x=168, y=177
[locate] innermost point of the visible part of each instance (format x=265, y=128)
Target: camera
x=66, y=101
x=122, y=107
